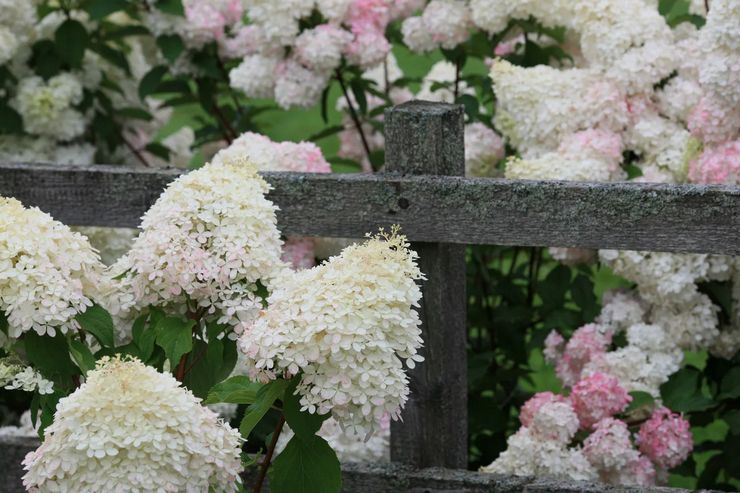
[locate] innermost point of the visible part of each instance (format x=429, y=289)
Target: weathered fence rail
x=440, y=212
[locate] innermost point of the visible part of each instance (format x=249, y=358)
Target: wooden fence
x=423, y=190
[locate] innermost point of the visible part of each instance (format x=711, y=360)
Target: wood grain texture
x=425, y=138
x=630, y=216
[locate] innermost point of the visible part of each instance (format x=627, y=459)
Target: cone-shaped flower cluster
x=208, y=239
x=48, y=274
x=347, y=325
x=130, y=428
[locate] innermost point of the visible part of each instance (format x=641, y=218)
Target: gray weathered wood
x=375, y=478
x=425, y=138
x=634, y=216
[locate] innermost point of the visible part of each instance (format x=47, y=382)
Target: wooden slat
x=425, y=138
x=691, y=218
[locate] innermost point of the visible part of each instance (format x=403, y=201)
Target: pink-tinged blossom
x=713, y=121
x=248, y=40
x=207, y=20
x=598, y=396
x=597, y=143
x=508, y=47
x=321, y=48
x=303, y=156
x=369, y=15
x=586, y=342
x=555, y=421
x=530, y=408
x=719, y=164
x=666, y=438
x=368, y=48
x=400, y=9
x=609, y=447
x=554, y=347
x=299, y=252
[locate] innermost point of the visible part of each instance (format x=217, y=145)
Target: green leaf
x=733, y=420
x=134, y=113
x=306, y=465
x=10, y=120
x=639, y=400
x=171, y=46
x=583, y=295
x=114, y=56
x=235, y=390
x=82, y=356
x=50, y=355
x=98, y=322
x=99, y=9
x=730, y=387
x=175, y=337
x=359, y=92
x=45, y=59
x=151, y=81
x=327, y=132
x=471, y=104
x=173, y=7
x=71, y=39
x=266, y=396
x=302, y=423
x=159, y=150
x=682, y=391
x=143, y=337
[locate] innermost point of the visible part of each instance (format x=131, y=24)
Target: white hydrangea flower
x=48, y=274
x=17, y=22
x=691, y=325
x=555, y=166
x=636, y=369
x=46, y=107
x=555, y=421
x=321, y=48
x=25, y=429
x=26, y=379
x=255, y=76
x=209, y=239
x=131, y=428
x=17, y=148
x=539, y=106
x=349, y=446
x=484, y=148
x=297, y=86
x=620, y=310
x=444, y=23
x=111, y=243
x=346, y=325
x=527, y=454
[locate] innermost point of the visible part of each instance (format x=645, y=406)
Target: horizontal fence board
x=690, y=218
x=375, y=478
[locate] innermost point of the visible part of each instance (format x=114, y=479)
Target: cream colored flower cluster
x=129, y=428
x=48, y=274
x=346, y=326
x=206, y=243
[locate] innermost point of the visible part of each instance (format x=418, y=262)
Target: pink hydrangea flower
x=720, y=164
x=369, y=15
x=247, y=41
x=666, y=438
x=299, y=252
x=602, y=144
x=303, y=156
x=554, y=346
x=609, y=447
x=508, y=47
x=586, y=342
x=368, y=48
x=598, y=396
x=212, y=18
x=530, y=408
x=713, y=122
x=641, y=472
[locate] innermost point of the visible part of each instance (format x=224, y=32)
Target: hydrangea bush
x=613, y=365
x=121, y=360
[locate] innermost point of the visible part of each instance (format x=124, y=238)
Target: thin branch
x=226, y=129
x=135, y=151
x=268, y=456
x=457, y=79
x=366, y=167
x=706, y=6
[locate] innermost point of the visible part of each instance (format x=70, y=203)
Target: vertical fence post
x=427, y=138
